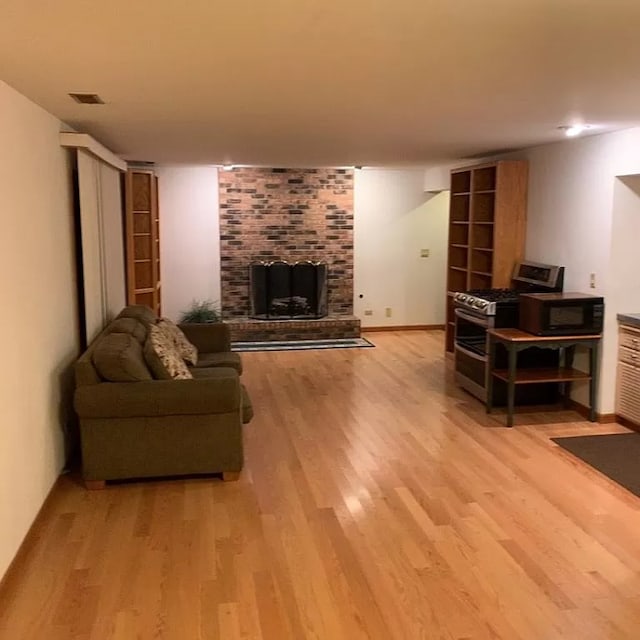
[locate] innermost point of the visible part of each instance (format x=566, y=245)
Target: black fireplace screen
x=280, y=290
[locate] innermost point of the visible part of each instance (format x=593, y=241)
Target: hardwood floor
x=378, y=501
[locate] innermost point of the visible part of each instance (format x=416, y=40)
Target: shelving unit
x=142, y=228
x=487, y=219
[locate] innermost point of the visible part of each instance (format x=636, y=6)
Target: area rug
x=616, y=455
x=295, y=345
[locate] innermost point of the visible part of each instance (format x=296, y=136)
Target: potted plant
x=201, y=312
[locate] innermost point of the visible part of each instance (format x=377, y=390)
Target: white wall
x=570, y=221
x=38, y=323
x=394, y=220
x=189, y=237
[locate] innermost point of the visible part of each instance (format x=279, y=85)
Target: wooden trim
x=407, y=327
x=602, y=418
x=630, y=424
x=29, y=540
x=85, y=141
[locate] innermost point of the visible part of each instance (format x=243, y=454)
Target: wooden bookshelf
x=142, y=229
x=487, y=220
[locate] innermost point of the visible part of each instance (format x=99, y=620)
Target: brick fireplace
x=286, y=214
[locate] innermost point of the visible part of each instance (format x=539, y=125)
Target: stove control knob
x=462, y=297
x=483, y=304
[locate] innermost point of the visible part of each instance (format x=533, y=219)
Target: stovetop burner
x=495, y=295
x=528, y=277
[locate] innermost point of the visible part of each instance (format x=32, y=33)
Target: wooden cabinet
x=142, y=230
x=487, y=220
x=628, y=381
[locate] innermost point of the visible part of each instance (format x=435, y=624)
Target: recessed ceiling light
x=87, y=98
x=573, y=130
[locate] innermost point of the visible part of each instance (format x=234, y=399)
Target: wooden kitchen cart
x=516, y=340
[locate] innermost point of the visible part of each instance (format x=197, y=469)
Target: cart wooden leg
x=593, y=382
x=511, y=387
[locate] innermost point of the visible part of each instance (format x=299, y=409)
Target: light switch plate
x=424, y=253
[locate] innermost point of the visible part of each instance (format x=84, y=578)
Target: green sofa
x=135, y=426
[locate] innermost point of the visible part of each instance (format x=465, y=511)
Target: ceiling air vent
x=87, y=98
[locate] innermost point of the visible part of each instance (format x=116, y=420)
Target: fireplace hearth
x=280, y=290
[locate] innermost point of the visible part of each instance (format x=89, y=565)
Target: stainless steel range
x=479, y=310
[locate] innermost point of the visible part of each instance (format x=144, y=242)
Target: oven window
x=566, y=316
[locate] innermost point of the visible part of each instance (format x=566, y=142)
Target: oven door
x=471, y=331
x=470, y=352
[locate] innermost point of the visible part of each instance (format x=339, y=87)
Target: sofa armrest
x=208, y=338
x=221, y=394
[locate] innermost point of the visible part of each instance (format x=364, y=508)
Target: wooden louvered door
x=143, y=239
x=628, y=384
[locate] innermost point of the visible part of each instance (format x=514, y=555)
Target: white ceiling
x=313, y=83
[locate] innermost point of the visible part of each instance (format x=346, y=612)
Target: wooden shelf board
x=463, y=269
x=532, y=376
x=481, y=273
x=143, y=260
x=461, y=193
x=460, y=246
x=145, y=235
x=482, y=222
x=482, y=249
x=459, y=222
x=145, y=211
x=147, y=290
x=485, y=191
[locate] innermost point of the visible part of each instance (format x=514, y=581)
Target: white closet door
x=103, y=275
x=113, y=236
x=90, y=226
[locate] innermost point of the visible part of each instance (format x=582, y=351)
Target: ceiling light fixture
x=573, y=130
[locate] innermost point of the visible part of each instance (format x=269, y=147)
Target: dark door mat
x=295, y=345
x=616, y=455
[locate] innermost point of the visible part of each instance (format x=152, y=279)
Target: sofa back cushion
x=163, y=358
x=140, y=312
x=132, y=326
x=118, y=358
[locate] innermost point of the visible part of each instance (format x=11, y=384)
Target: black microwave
x=561, y=314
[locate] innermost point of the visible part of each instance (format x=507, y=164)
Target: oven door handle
x=470, y=354
x=469, y=318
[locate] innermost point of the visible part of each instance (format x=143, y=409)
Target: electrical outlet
x=424, y=253
x=368, y=312
x=388, y=312
x=592, y=280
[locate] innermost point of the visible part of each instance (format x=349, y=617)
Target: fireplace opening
x=279, y=290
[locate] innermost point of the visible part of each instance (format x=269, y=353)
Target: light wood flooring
x=378, y=501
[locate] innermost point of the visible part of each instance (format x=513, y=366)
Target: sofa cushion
x=247, y=407
x=162, y=357
x=184, y=347
x=118, y=358
x=131, y=326
x=222, y=359
x=140, y=312
x=222, y=372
